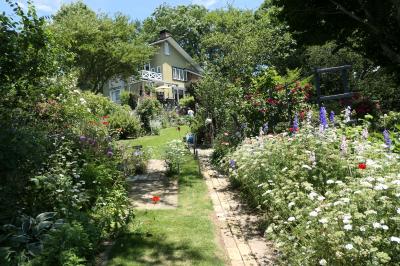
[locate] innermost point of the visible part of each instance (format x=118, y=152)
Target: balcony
x=149, y=75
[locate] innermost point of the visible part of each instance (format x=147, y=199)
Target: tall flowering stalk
x=343, y=146
x=347, y=114
x=296, y=123
x=322, y=117
x=388, y=141
x=309, y=117
x=265, y=128
x=365, y=134
x=332, y=117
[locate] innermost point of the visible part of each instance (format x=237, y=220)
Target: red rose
x=106, y=123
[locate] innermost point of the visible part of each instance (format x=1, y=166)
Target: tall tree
x=104, y=47
x=370, y=26
x=186, y=24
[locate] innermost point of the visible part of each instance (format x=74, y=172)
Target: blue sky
x=136, y=9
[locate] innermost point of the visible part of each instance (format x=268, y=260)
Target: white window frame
x=179, y=74
x=167, y=50
x=113, y=96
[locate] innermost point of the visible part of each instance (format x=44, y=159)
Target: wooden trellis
x=345, y=83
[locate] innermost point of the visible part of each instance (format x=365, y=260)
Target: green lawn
x=185, y=236
x=158, y=143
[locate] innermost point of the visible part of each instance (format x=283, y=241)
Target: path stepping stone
x=142, y=188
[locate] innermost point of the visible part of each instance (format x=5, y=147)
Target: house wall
x=175, y=59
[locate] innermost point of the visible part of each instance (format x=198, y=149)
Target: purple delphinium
x=265, y=128
x=388, y=141
x=82, y=138
x=109, y=152
x=322, y=117
x=332, y=117
x=295, y=123
x=232, y=164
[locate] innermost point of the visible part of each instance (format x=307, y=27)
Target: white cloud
x=42, y=6
x=206, y=3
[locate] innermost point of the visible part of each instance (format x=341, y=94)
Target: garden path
x=142, y=188
x=244, y=243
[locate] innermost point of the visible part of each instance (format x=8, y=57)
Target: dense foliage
x=330, y=193
x=371, y=27
x=62, y=191
x=102, y=47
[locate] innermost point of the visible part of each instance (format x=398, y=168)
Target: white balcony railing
x=151, y=75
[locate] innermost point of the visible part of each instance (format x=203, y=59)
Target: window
x=115, y=94
x=146, y=67
x=166, y=48
x=153, y=69
x=158, y=69
x=179, y=74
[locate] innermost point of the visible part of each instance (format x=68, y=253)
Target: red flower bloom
x=106, y=123
x=292, y=129
x=155, y=199
x=362, y=166
x=105, y=117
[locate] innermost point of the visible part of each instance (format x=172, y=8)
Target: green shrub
x=155, y=126
x=135, y=162
x=67, y=245
x=174, y=156
x=123, y=121
x=148, y=109
x=187, y=102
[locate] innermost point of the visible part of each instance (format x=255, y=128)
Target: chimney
x=164, y=34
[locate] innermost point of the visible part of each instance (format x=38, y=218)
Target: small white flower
x=323, y=262
x=348, y=227
x=385, y=227
x=291, y=204
x=395, y=239
x=330, y=181
x=370, y=212
x=398, y=210
x=321, y=198
x=323, y=220
x=291, y=219
x=362, y=229
x=396, y=182
x=376, y=225
x=306, y=167
x=313, y=213
x=381, y=187
x=346, y=217
x=346, y=200
x=312, y=195
x=83, y=101
x=349, y=246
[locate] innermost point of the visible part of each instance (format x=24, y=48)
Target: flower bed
x=330, y=194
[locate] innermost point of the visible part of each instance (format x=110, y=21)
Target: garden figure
x=190, y=113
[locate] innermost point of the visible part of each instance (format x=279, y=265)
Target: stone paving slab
x=142, y=188
x=244, y=244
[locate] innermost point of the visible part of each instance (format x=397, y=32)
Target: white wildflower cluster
x=347, y=204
